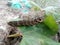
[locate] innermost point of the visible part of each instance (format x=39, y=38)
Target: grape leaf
x=36, y=35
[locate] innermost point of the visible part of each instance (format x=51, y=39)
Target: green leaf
x=35, y=35
x=40, y=28
x=51, y=23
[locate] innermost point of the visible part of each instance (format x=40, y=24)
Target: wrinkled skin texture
x=7, y=15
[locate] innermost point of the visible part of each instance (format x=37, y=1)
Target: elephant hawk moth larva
x=32, y=18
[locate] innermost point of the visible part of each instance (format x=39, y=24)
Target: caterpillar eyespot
x=32, y=18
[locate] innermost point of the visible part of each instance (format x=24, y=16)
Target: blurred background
x=45, y=3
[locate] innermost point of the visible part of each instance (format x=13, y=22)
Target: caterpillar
x=32, y=18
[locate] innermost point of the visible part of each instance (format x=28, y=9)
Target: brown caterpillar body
x=27, y=20
x=18, y=23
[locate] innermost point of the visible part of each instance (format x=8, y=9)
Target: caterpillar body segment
x=31, y=18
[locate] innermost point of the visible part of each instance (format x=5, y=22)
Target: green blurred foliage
x=51, y=23
x=37, y=35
